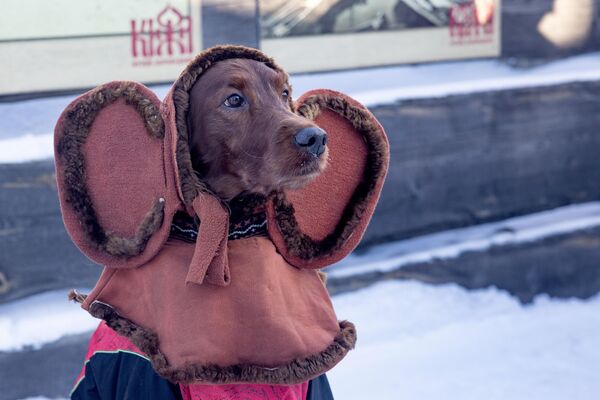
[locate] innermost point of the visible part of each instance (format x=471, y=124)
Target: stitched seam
x=184, y=230
x=248, y=229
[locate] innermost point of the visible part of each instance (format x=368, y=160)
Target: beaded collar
x=247, y=218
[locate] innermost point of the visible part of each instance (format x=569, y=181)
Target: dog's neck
x=246, y=203
x=247, y=218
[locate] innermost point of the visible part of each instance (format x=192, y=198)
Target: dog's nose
x=312, y=140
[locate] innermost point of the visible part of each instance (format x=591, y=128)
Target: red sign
x=167, y=36
x=472, y=22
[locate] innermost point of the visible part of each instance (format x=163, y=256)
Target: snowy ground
x=40, y=319
x=442, y=342
x=417, y=341
x=26, y=127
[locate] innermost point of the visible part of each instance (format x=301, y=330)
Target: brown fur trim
x=148, y=111
x=190, y=184
x=128, y=247
x=300, y=244
x=296, y=371
x=75, y=130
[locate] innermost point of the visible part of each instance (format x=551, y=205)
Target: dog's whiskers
x=253, y=155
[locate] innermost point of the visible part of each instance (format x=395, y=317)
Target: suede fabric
x=215, y=311
x=264, y=307
x=216, y=221
x=115, y=191
x=313, y=233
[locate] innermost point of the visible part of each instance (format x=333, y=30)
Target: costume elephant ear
x=114, y=189
x=321, y=223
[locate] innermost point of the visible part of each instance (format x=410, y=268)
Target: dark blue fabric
x=122, y=375
x=128, y=376
x=318, y=389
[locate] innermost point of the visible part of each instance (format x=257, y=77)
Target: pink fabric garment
x=245, y=392
x=105, y=339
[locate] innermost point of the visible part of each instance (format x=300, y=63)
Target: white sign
x=313, y=35
x=71, y=44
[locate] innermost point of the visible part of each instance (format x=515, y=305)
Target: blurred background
x=479, y=274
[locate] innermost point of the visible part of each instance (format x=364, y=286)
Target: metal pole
x=257, y=22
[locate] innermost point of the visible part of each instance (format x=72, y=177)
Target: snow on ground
x=40, y=319
x=417, y=341
x=443, y=342
x=28, y=147
x=453, y=243
x=370, y=86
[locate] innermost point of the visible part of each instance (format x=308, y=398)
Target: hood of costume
x=213, y=310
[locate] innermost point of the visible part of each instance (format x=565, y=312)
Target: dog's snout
x=312, y=140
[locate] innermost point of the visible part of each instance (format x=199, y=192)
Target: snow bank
x=371, y=86
x=416, y=341
x=26, y=148
x=443, y=342
x=453, y=243
x=40, y=319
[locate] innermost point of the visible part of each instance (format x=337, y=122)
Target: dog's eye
x=285, y=93
x=234, y=101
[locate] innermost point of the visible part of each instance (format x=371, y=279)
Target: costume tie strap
x=210, y=260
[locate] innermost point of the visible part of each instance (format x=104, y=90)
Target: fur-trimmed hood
x=214, y=311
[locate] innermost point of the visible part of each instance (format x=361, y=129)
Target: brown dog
x=245, y=136
x=233, y=297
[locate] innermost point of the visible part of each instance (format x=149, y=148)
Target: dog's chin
x=306, y=171
x=298, y=182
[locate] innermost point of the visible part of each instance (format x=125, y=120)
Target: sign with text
x=336, y=34
x=71, y=44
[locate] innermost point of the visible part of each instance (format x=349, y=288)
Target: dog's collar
x=247, y=218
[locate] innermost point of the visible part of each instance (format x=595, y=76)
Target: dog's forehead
x=244, y=70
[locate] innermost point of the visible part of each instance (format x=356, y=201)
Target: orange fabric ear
x=116, y=192
x=319, y=224
x=210, y=261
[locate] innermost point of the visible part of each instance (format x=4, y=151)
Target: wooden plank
x=49, y=371
x=35, y=252
x=468, y=159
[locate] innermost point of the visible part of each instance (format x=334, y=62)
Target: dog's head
x=127, y=162
x=244, y=134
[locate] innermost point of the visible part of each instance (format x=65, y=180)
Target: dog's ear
x=114, y=189
x=321, y=223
